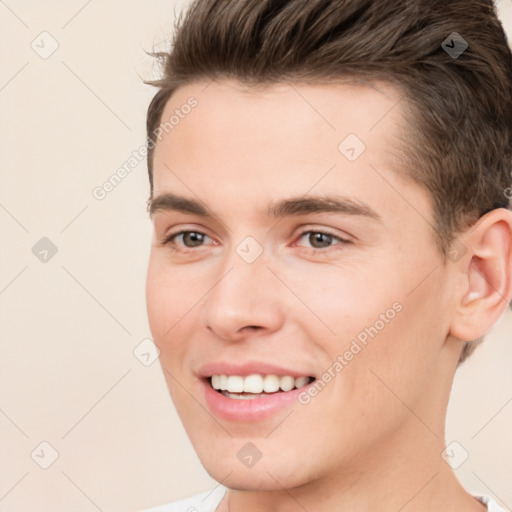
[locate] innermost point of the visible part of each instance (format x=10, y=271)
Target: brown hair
x=459, y=107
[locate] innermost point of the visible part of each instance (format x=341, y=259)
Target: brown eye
x=195, y=238
x=322, y=240
x=190, y=239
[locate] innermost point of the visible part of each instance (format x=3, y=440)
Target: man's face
x=245, y=287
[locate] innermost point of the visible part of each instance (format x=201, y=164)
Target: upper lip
x=248, y=368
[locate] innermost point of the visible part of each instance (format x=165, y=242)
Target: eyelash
x=169, y=240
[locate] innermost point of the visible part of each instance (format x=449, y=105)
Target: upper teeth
x=257, y=383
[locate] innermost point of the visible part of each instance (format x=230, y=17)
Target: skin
x=372, y=438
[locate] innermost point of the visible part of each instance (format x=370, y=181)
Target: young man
x=330, y=185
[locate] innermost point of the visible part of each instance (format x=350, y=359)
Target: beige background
x=69, y=326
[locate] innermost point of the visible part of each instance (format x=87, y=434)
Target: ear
x=486, y=270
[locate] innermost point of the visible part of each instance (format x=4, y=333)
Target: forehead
x=288, y=118
x=272, y=136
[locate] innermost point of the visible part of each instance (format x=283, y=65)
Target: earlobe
x=487, y=270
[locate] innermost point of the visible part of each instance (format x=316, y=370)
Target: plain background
x=69, y=326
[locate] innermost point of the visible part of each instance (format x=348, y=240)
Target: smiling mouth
x=256, y=385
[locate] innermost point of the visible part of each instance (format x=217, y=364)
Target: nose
x=244, y=299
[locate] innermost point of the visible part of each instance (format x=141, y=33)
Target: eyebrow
x=300, y=205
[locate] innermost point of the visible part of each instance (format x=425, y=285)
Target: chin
x=267, y=474
x=253, y=480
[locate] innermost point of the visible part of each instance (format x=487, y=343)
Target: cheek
x=375, y=320
x=349, y=302
x=397, y=365
x=172, y=302
x=156, y=299
x=164, y=300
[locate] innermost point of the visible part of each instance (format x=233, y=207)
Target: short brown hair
x=459, y=107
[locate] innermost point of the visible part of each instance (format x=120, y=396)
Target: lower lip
x=248, y=410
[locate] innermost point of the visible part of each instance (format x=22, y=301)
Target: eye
x=322, y=239
x=190, y=239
